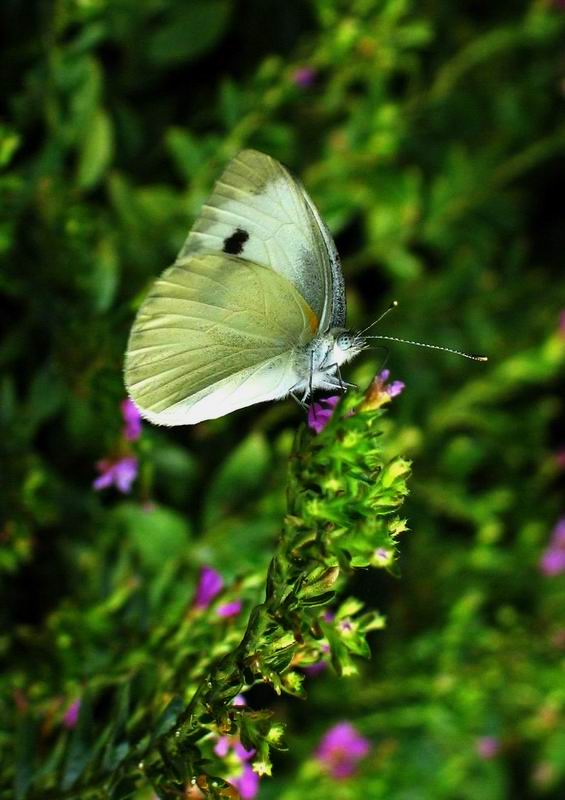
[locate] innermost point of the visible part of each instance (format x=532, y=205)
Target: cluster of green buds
x=343, y=495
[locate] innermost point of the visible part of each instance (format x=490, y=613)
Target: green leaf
x=25, y=754
x=157, y=533
x=96, y=150
x=116, y=750
x=175, y=470
x=240, y=477
x=80, y=751
x=168, y=716
x=83, y=77
x=189, y=31
x=44, y=399
x=9, y=143
x=104, y=275
x=185, y=150
x=230, y=103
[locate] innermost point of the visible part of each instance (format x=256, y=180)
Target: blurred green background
x=431, y=136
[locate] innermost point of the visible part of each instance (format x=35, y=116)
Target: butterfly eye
x=344, y=341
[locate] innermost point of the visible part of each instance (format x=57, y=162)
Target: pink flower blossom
x=552, y=561
x=70, y=717
x=312, y=670
x=120, y=472
x=393, y=389
x=341, y=748
x=382, y=556
x=222, y=746
x=487, y=747
x=132, y=420
x=304, y=77
x=558, y=538
x=240, y=751
x=227, y=743
x=381, y=392
x=210, y=584
x=229, y=609
x=247, y=781
x=320, y=413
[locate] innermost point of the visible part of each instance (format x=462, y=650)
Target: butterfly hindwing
x=260, y=212
x=215, y=333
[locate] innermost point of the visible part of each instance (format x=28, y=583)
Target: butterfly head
x=347, y=345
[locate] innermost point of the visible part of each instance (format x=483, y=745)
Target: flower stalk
x=342, y=498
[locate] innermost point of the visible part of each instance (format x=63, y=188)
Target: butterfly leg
x=300, y=402
x=310, y=379
x=343, y=385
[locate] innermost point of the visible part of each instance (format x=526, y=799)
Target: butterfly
x=253, y=309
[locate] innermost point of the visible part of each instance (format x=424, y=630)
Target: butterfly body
x=253, y=309
x=317, y=364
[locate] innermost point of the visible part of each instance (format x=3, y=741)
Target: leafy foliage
x=431, y=136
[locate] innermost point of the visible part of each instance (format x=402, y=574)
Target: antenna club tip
x=394, y=304
x=482, y=358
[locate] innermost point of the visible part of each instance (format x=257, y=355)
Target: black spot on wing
x=233, y=244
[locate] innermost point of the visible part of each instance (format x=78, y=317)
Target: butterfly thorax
x=317, y=363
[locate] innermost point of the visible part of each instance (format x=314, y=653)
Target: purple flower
x=222, y=746
x=132, y=420
x=487, y=746
x=240, y=751
x=70, y=717
x=312, y=670
x=319, y=414
x=239, y=700
x=340, y=750
x=247, y=783
x=393, y=389
x=381, y=392
x=552, y=561
x=227, y=743
x=210, y=584
x=304, y=77
x=560, y=458
x=120, y=472
x=229, y=609
x=558, y=538
x=382, y=556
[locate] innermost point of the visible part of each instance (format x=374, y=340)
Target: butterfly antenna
x=431, y=347
x=394, y=304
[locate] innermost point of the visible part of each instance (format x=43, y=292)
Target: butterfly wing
x=260, y=212
x=216, y=333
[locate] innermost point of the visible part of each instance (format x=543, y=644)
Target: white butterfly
x=253, y=309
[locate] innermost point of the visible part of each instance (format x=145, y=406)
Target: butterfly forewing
x=259, y=212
